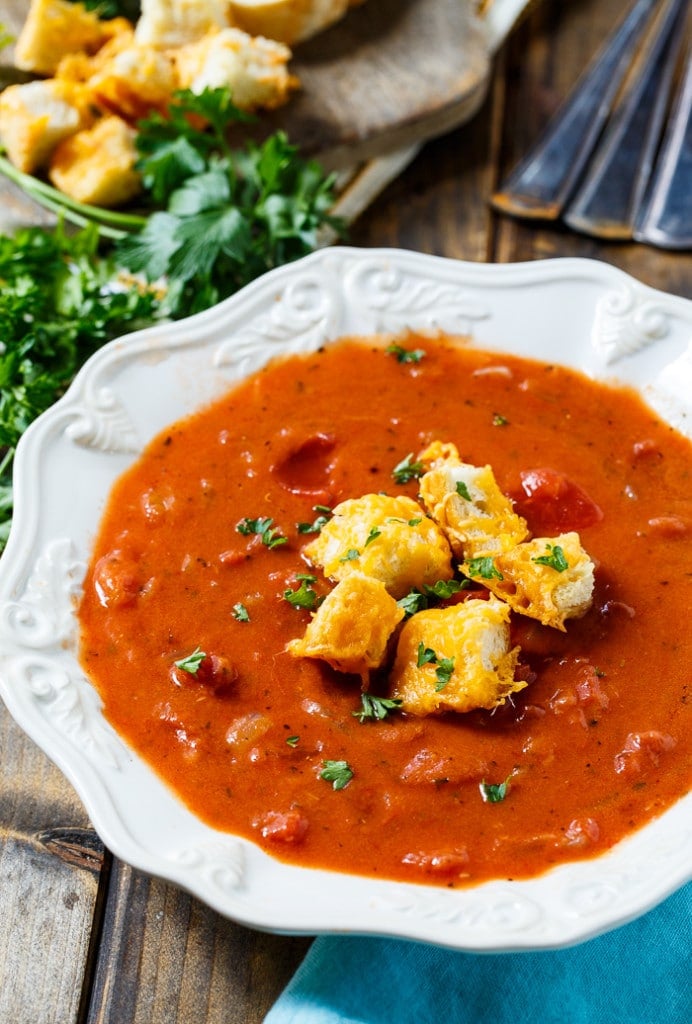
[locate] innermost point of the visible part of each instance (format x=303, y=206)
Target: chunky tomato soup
x=190, y=602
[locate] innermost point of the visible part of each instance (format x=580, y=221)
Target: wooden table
x=83, y=937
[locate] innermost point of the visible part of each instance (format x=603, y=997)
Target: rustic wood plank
x=50, y=861
x=164, y=957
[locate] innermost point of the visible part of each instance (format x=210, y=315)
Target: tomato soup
x=189, y=604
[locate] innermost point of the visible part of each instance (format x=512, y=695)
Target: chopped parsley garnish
x=413, y=602
x=304, y=596
x=494, y=793
x=374, y=709
x=350, y=555
x=485, y=568
x=240, y=612
x=444, y=589
x=264, y=527
x=555, y=558
x=405, y=355
x=314, y=527
x=408, y=470
x=191, y=662
x=444, y=667
x=414, y=522
x=339, y=773
x=373, y=535
x=292, y=741
x=425, y=655
x=499, y=420
x=443, y=672
x=463, y=491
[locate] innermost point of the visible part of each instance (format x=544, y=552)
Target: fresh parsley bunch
x=59, y=302
x=223, y=216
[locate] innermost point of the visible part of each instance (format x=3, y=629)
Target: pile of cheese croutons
x=379, y=548
x=77, y=124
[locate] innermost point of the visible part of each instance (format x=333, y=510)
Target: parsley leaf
x=240, y=612
x=413, y=602
x=292, y=740
x=351, y=555
x=339, y=773
x=555, y=558
x=405, y=355
x=264, y=527
x=373, y=535
x=375, y=708
x=191, y=662
x=425, y=655
x=229, y=215
x=407, y=470
x=316, y=525
x=304, y=596
x=443, y=672
x=463, y=491
x=485, y=568
x=494, y=793
x=444, y=589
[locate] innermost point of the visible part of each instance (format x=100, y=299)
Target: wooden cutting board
x=391, y=73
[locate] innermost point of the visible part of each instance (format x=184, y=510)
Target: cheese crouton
x=80, y=67
x=289, y=21
x=548, y=578
x=467, y=504
x=456, y=659
x=134, y=82
x=54, y=28
x=255, y=70
x=351, y=628
x=390, y=539
x=97, y=165
x=35, y=117
x=169, y=23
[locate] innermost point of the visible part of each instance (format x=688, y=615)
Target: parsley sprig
x=223, y=215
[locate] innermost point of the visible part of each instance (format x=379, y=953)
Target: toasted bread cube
x=255, y=70
x=351, y=628
x=134, y=82
x=548, y=578
x=473, y=666
x=54, y=28
x=97, y=165
x=467, y=504
x=80, y=67
x=35, y=117
x=390, y=539
x=289, y=21
x=170, y=23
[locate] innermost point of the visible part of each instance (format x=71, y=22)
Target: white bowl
x=581, y=313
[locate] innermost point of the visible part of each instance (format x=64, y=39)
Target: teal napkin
x=637, y=974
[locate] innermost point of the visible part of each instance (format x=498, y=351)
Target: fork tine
x=542, y=182
x=666, y=220
x=608, y=198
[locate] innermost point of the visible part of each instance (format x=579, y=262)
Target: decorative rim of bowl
x=582, y=313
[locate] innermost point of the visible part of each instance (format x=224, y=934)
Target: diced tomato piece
x=116, y=580
x=582, y=832
x=284, y=826
x=214, y=673
x=670, y=526
x=306, y=467
x=552, y=503
x=447, y=863
x=643, y=750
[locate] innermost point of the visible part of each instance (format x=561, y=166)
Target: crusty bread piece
x=54, y=28
x=388, y=538
x=467, y=504
x=170, y=23
x=97, y=165
x=525, y=578
x=133, y=82
x=351, y=628
x=474, y=635
x=35, y=118
x=254, y=69
x=289, y=21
